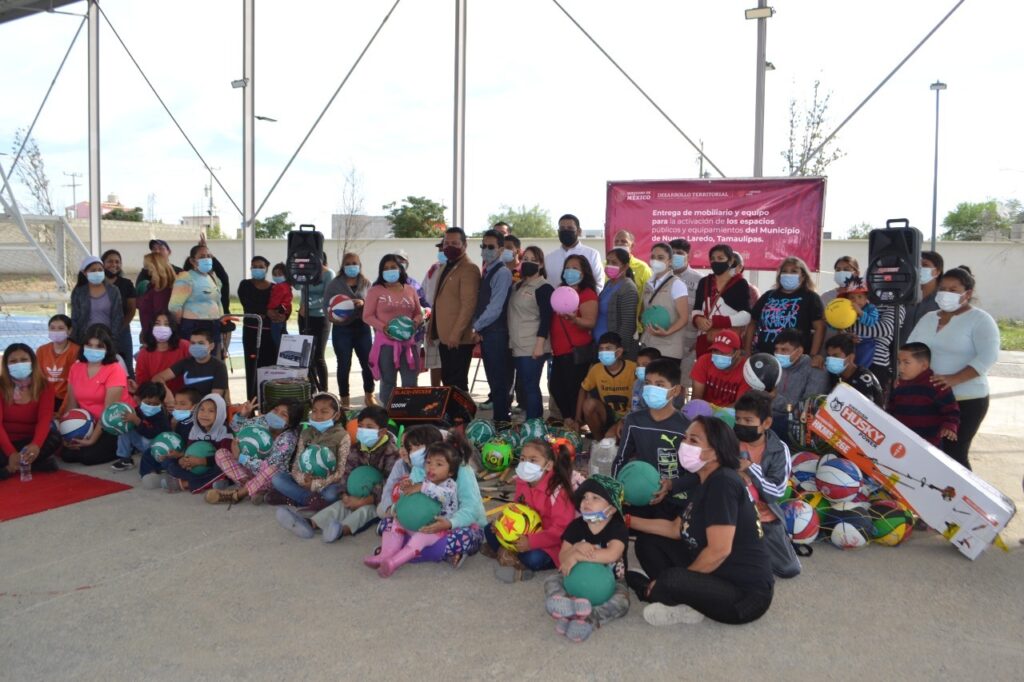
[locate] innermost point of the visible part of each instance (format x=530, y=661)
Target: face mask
x=161, y=333
x=20, y=370
x=367, y=437
x=595, y=517
x=351, y=271
x=841, y=277
x=148, y=410
x=181, y=415
x=745, y=433
x=612, y=271
x=529, y=472
x=489, y=255
x=689, y=458
x=925, y=275
x=95, y=277
x=507, y=256
x=258, y=273
x=275, y=421
x=94, y=354
x=784, y=360
x=321, y=426
x=948, y=301
x=722, y=362
x=658, y=267
x=198, y=350
x=418, y=458
x=835, y=365
x=58, y=337
x=567, y=237
x=655, y=396
x=441, y=258
x=204, y=265
x=391, y=276
x=111, y=274
x=789, y=281
x=719, y=268
x=572, y=276
x=678, y=261
x=528, y=268
x=279, y=279
x=606, y=357
x=640, y=373
x=452, y=252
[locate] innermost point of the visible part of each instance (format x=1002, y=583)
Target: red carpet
x=49, y=491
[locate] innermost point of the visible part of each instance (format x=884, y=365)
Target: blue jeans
x=528, y=373
x=289, y=487
x=534, y=559
x=149, y=465
x=389, y=373
x=127, y=443
x=493, y=351
x=126, y=350
x=347, y=338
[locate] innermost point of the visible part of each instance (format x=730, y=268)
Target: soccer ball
x=516, y=520
x=162, y=445
x=317, y=460
x=114, y=419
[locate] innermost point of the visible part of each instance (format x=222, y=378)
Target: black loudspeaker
x=894, y=259
x=438, y=405
x=305, y=254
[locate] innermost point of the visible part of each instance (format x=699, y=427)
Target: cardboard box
x=295, y=350
x=265, y=374
x=947, y=496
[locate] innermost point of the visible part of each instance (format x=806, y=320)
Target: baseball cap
x=727, y=341
x=159, y=242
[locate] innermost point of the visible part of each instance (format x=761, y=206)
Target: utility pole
x=209, y=189
x=74, y=186
x=761, y=13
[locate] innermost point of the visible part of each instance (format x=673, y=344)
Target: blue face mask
x=655, y=396
x=275, y=421
x=198, y=350
x=607, y=357
x=321, y=426
x=390, y=276
x=418, y=458
x=641, y=372
x=20, y=370
x=595, y=517
x=722, y=362
x=789, y=282
x=441, y=258
x=94, y=354
x=95, y=277
x=784, y=360
x=258, y=273
x=279, y=279
x=835, y=365
x=489, y=255
x=148, y=410
x=925, y=275
x=678, y=261
x=182, y=415
x=507, y=256
x=204, y=265
x=572, y=276
x=367, y=437
x=351, y=270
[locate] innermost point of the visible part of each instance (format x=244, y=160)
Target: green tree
x=970, y=222
x=132, y=215
x=416, y=217
x=525, y=222
x=807, y=134
x=859, y=231
x=275, y=227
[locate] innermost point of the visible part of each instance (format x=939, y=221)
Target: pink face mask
x=612, y=271
x=689, y=458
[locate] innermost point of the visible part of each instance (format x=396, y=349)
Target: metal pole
x=95, y=204
x=459, y=165
x=248, y=133
x=938, y=87
x=762, y=38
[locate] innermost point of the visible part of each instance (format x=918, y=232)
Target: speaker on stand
x=305, y=267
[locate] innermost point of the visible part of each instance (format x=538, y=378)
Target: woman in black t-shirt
x=254, y=295
x=792, y=304
x=123, y=336
x=712, y=561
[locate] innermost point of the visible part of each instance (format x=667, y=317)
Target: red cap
x=727, y=341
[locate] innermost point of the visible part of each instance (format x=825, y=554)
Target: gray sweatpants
x=785, y=563
x=616, y=607
x=353, y=520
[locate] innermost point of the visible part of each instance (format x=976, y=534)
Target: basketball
x=317, y=460
x=840, y=313
x=400, y=328
x=801, y=521
x=762, y=371
x=255, y=441
x=640, y=481
x=790, y=493
x=113, y=420
x=591, y=581
x=820, y=504
x=496, y=455
x=201, y=449
x=515, y=521
x=565, y=300
x=891, y=522
x=838, y=479
x=416, y=510
x=851, y=529
x=697, y=408
x=656, y=316
x=805, y=467
x=343, y=308
x=363, y=480
x=160, y=446
x=76, y=423
x=479, y=431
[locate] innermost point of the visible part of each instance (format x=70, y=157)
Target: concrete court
x=142, y=585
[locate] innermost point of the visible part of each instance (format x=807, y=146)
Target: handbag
x=581, y=355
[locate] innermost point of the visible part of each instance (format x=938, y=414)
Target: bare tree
x=805, y=135
x=353, y=218
x=31, y=171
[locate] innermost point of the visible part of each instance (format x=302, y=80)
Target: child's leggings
x=616, y=607
x=254, y=483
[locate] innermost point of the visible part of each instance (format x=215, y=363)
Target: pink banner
x=764, y=219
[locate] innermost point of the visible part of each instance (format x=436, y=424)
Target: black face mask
x=745, y=433
x=567, y=237
x=528, y=268
x=110, y=274
x=718, y=267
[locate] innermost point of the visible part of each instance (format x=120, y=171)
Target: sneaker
x=151, y=481
x=510, y=574
x=578, y=630
x=659, y=614
x=485, y=406
x=171, y=484
x=123, y=464
x=638, y=582
x=257, y=499
x=561, y=625
x=272, y=497
x=332, y=532
x=295, y=522
x=222, y=484
x=488, y=552
x=457, y=560
x=564, y=608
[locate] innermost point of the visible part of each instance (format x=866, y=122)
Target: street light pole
x=937, y=86
x=762, y=12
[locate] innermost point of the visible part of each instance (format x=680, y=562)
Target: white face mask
x=948, y=301
x=658, y=266
x=529, y=472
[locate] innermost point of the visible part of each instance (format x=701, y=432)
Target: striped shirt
x=924, y=408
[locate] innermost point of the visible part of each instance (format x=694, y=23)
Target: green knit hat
x=602, y=486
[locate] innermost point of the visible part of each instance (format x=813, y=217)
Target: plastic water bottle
x=25, y=468
x=601, y=457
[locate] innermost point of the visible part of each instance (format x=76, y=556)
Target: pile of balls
x=500, y=449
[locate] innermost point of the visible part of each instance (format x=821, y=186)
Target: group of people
x=710, y=542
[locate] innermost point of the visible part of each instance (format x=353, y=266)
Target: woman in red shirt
x=96, y=381
x=572, y=338
x=26, y=410
x=161, y=348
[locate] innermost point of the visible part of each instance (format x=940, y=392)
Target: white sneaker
x=659, y=614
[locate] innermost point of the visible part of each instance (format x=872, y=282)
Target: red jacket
x=556, y=511
x=281, y=297
x=22, y=422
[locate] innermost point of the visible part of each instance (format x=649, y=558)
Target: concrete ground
x=142, y=585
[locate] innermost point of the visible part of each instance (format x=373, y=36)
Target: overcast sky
x=549, y=119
